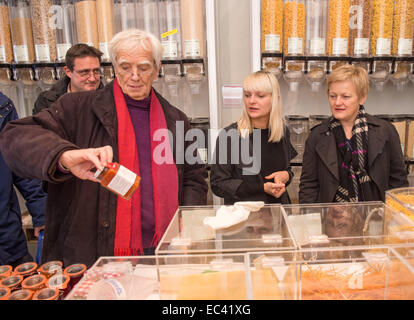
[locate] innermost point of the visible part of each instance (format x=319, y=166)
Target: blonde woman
x=252, y=156
x=352, y=156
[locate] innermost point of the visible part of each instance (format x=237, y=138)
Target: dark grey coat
x=81, y=215
x=320, y=172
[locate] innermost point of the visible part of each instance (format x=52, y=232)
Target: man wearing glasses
x=127, y=122
x=83, y=73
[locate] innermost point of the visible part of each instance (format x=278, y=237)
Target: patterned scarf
x=353, y=177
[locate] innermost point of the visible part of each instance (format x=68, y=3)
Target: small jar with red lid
x=46, y=294
x=26, y=269
x=5, y=271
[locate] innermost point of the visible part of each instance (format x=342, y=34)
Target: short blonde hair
x=357, y=75
x=264, y=81
x=133, y=38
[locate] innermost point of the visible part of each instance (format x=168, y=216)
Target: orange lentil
x=294, y=27
x=338, y=27
x=403, y=27
x=382, y=17
x=272, y=25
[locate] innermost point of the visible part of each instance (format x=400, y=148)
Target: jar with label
x=338, y=27
x=124, y=15
x=150, y=16
x=86, y=22
x=170, y=28
x=316, y=26
x=272, y=25
x=360, y=15
x=64, y=26
x=43, y=33
x=381, y=29
x=106, y=25
x=403, y=28
x=21, y=31
x=118, y=179
x=6, y=51
x=192, y=27
x=299, y=131
x=294, y=28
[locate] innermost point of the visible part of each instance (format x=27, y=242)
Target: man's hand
x=80, y=162
x=37, y=231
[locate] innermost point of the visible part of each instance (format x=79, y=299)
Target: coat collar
x=327, y=149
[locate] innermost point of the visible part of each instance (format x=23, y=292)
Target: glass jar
x=5, y=271
x=316, y=26
x=294, y=27
x=398, y=120
x=170, y=28
x=12, y=282
x=4, y=293
x=64, y=27
x=150, y=16
x=59, y=282
x=410, y=136
x=124, y=15
x=359, y=28
x=21, y=31
x=6, y=50
x=381, y=29
x=34, y=282
x=106, y=25
x=86, y=22
x=403, y=28
x=75, y=272
x=26, y=269
x=272, y=25
x=44, y=35
x=338, y=27
x=192, y=28
x=22, y=294
x=46, y=294
x=118, y=179
x=316, y=119
x=299, y=131
x=50, y=268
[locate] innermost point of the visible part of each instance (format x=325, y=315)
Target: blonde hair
x=133, y=38
x=357, y=75
x=266, y=82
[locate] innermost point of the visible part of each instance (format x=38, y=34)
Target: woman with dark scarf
x=352, y=156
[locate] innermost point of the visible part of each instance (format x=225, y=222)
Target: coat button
x=105, y=224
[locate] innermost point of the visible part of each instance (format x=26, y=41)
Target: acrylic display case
x=338, y=225
x=264, y=230
x=355, y=274
x=401, y=200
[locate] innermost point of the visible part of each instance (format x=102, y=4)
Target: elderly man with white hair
x=126, y=122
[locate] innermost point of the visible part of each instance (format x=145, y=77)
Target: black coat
x=81, y=215
x=320, y=172
x=226, y=178
x=46, y=98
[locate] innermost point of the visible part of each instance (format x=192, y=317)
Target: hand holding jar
x=80, y=162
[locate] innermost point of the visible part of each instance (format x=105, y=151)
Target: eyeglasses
x=142, y=70
x=86, y=72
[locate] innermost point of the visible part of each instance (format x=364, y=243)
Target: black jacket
x=46, y=98
x=81, y=215
x=320, y=172
x=226, y=178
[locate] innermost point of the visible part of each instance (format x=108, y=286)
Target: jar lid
x=58, y=281
x=11, y=281
x=5, y=270
x=51, y=267
x=23, y=294
x=4, y=293
x=46, y=294
x=75, y=270
x=25, y=268
x=295, y=117
x=34, y=281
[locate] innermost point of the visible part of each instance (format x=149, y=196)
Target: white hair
x=133, y=38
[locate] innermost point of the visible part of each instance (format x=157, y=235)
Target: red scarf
x=128, y=238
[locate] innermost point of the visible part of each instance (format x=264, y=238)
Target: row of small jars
x=29, y=282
